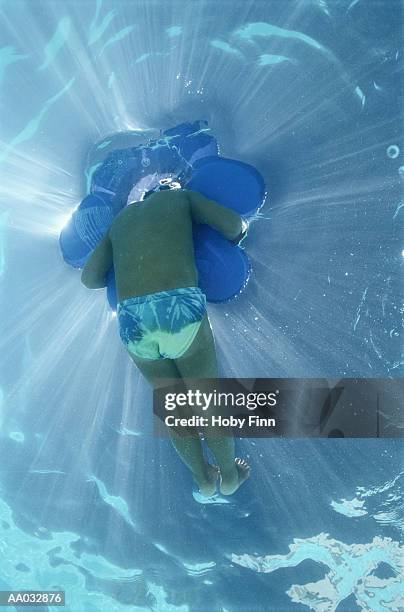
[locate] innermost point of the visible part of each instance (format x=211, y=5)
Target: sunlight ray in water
x=92, y=502
x=56, y=43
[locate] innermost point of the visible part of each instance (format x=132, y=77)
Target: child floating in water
x=161, y=310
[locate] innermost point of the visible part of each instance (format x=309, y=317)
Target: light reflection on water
x=306, y=92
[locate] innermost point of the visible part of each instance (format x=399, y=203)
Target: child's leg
x=188, y=447
x=200, y=362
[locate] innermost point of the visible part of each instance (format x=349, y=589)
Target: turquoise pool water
x=90, y=502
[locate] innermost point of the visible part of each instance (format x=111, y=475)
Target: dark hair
x=158, y=188
x=148, y=193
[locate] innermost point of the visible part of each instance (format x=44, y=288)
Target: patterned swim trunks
x=161, y=325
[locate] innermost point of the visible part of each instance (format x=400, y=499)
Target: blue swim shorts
x=161, y=325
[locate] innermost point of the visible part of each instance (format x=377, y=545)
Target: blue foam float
x=190, y=152
x=86, y=227
x=224, y=269
x=232, y=183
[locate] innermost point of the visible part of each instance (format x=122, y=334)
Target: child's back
x=152, y=245
x=152, y=240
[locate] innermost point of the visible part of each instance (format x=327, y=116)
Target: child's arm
x=97, y=267
x=226, y=221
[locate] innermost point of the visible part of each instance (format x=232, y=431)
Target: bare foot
x=229, y=483
x=207, y=486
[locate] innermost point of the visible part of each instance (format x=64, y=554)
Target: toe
x=242, y=463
